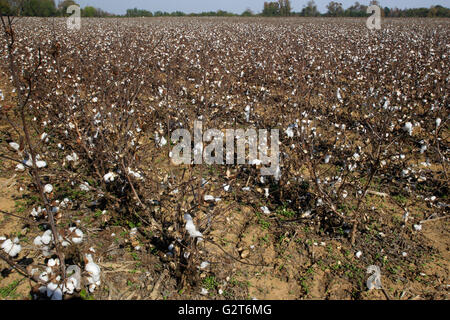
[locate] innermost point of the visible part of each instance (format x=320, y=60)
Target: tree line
x=279, y=8
x=46, y=8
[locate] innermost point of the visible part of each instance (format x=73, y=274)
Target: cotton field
x=94, y=206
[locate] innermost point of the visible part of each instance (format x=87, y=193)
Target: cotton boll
x=51, y=263
x=79, y=236
x=48, y=188
x=44, y=137
x=47, y=237
x=204, y=265
x=327, y=159
x=339, y=96
x=94, y=271
x=265, y=210
x=38, y=241
x=190, y=227
x=11, y=248
x=408, y=128
x=41, y=164
x=43, y=277
x=110, y=177
x=209, y=198
x=438, y=122
x=204, y=292
x=358, y=254
x=14, y=145
x=20, y=168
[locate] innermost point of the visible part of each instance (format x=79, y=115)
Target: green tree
x=310, y=10
x=271, y=9
x=62, y=6
x=89, y=12
x=335, y=9
x=247, y=13
x=285, y=7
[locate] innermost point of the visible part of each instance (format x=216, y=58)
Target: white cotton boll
x=408, y=128
x=358, y=254
x=11, y=248
x=43, y=277
x=51, y=263
x=95, y=100
x=41, y=164
x=47, y=237
x=356, y=156
x=338, y=95
x=418, y=227
x=209, y=198
x=266, y=192
x=438, y=122
x=226, y=188
x=327, y=159
x=290, y=132
x=204, y=265
x=14, y=145
x=38, y=241
x=84, y=187
x=190, y=227
x=135, y=174
x=20, y=168
x=109, y=177
x=162, y=142
x=2, y=238
x=204, y=292
x=48, y=188
x=44, y=136
x=79, y=236
x=265, y=210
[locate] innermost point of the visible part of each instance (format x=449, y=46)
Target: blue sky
x=236, y=6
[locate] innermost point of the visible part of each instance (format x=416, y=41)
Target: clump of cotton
x=265, y=210
x=12, y=247
x=408, y=128
x=84, y=186
x=43, y=242
x=134, y=174
x=73, y=281
x=190, y=227
x=438, y=122
x=110, y=177
x=14, y=145
x=94, y=273
x=72, y=158
x=77, y=235
x=48, y=188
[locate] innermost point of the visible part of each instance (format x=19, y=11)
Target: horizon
x=233, y=6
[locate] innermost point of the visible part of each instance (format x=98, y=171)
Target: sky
x=236, y=6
